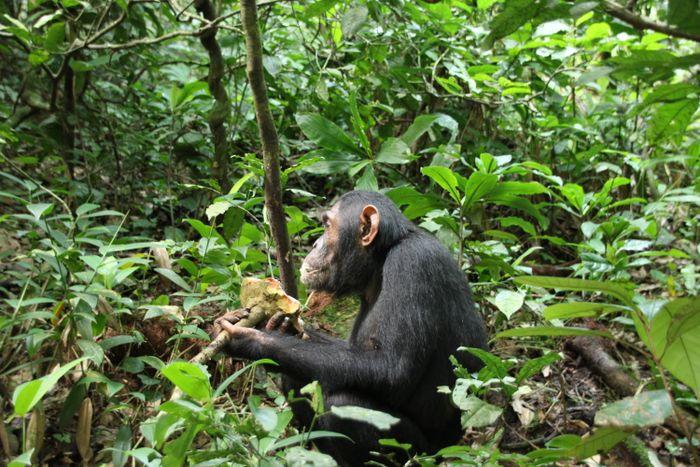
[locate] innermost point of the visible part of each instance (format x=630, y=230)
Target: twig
x=620, y=12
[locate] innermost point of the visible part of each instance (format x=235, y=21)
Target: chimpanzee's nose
x=318, y=242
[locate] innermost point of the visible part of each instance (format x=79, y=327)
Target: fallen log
x=592, y=350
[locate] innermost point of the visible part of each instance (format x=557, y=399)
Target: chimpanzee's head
x=360, y=230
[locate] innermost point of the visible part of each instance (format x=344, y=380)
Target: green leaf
x=573, y=446
x=325, y=133
x=180, y=96
x=121, y=446
x=55, y=36
x=300, y=457
x=644, y=409
x=515, y=14
x=578, y=310
x=675, y=340
x=23, y=459
x=617, y=290
x=380, y=420
x=508, y=301
x=39, y=209
x=550, y=331
x=28, y=394
x=478, y=185
x=190, y=378
x=419, y=126
x=517, y=188
x=320, y=7
x=217, y=208
x=667, y=93
x=367, y=181
x=533, y=366
x=671, y=119
x=394, y=151
x=601, y=440
x=358, y=125
x=352, y=20
x=444, y=177
x=476, y=413
x=174, y=277
x=597, y=31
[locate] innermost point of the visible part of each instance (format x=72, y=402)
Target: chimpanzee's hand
x=285, y=324
x=231, y=317
x=244, y=342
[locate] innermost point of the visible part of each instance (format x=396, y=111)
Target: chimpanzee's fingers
x=284, y=327
x=275, y=322
x=235, y=316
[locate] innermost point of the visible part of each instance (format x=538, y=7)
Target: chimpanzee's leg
x=364, y=436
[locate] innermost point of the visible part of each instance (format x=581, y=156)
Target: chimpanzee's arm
x=336, y=363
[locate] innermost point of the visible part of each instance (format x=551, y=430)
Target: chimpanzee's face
x=340, y=261
x=317, y=268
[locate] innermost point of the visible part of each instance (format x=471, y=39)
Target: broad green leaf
x=174, y=277
x=597, y=31
x=601, y=440
x=367, y=181
x=217, y=208
x=180, y=96
x=55, y=36
x=26, y=395
x=380, y=420
x=532, y=366
x=571, y=310
x=394, y=151
x=645, y=409
x=353, y=19
x=358, y=125
x=240, y=182
x=121, y=446
x=190, y=378
x=572, y=446
x=671, y=119
x=552, y=331
x=517, y=188
x=667, y=93
x=615, y=289
x=675, y=340
x=39, y=209
x=515, y=13
x=444, y=177
x=325, y=133
x=508, y=301
x=511, y=221
x=574, y=194
x=314, y=390
x=476, y=413
x=23, y=459
x=477, y=186
x=300, y=457
x=318, y=8
x=420, y=125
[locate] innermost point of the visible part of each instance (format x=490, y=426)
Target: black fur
x=416, y=310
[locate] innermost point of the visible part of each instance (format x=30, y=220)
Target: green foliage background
x=533, y=138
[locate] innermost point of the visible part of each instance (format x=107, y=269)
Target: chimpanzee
x=416, y=310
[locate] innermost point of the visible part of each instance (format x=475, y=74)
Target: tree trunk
x=270, y=146
x=220, y=111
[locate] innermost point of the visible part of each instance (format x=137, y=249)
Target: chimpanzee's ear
x=369, y=224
